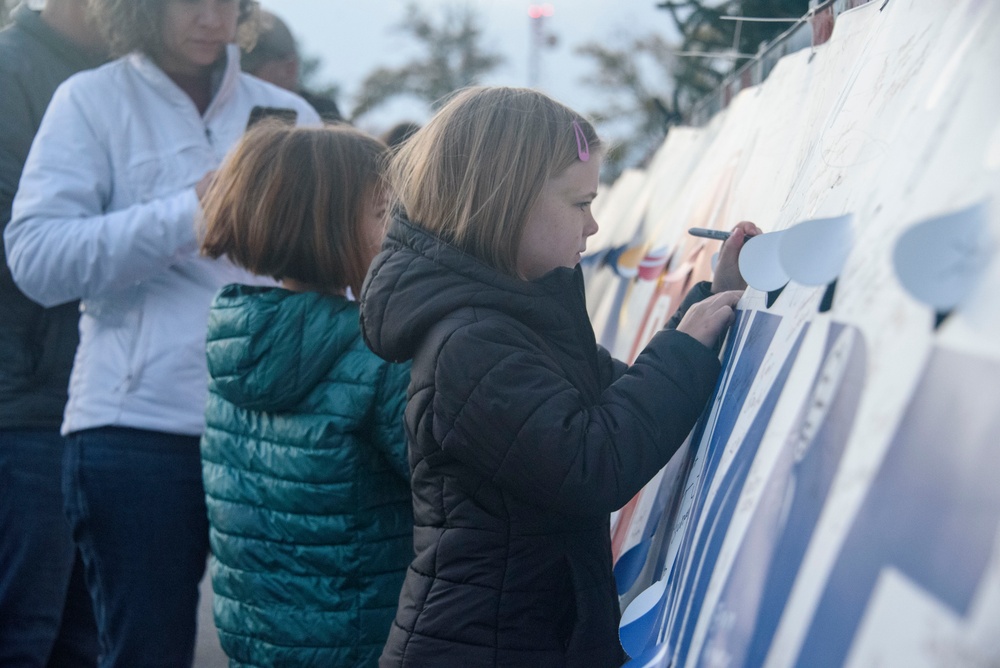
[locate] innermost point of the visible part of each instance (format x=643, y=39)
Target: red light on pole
x=539, y=11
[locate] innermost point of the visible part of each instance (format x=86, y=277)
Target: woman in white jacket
x=106, y=213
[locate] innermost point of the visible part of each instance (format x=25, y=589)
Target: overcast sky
x=353, y=37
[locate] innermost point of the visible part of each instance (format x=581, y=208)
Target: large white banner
x=838, y=504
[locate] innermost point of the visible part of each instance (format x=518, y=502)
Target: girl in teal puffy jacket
x=303, y=456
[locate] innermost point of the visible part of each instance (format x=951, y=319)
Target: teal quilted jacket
x=306, y=479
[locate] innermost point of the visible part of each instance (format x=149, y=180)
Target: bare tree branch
x=452, y=59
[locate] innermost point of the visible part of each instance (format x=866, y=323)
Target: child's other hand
x=727, y=271
x=709, y=318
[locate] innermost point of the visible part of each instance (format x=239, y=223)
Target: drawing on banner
x=947, y=75
x=835, y=503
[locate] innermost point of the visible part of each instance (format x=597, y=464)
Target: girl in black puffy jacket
x=524, y=434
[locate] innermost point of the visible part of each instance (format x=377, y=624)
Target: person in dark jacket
x=524, y=434
x=303, y=455
x=274, y=57
x=45, y=612
x=399, y=133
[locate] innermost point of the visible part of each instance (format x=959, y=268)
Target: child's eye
x=583, y=206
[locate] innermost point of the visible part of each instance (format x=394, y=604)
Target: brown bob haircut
x=289, y=202
x=137, y=25
x=474, y=171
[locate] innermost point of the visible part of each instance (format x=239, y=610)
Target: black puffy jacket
x=524, y=435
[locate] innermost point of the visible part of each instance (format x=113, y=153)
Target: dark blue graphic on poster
x=933, y=510
x=740, y=376
x=760, y=580
x=703, y=548
x=638, y=559
x=744, y=376
x=751, y=336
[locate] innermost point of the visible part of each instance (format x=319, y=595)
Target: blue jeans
x=45, y=613
x=137, y=507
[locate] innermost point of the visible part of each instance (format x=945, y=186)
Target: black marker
x=708, y=234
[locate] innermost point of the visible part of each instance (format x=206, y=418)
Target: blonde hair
x=289, y=202
x=475, y=170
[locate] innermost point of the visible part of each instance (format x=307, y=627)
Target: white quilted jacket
x=106, y=213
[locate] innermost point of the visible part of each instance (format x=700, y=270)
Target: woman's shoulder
x=95, y=83
x=102, y=94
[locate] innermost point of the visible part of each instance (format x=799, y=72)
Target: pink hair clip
x=582, y=147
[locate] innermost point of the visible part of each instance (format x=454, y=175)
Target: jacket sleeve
x=698, y=292
x=503, y=408
x=610, y=368
x=390, y=401
x=61, y=244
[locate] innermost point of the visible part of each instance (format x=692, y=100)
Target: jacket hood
x=269, y=347
x=417, y=280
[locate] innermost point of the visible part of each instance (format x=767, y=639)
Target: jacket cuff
x=698, y=292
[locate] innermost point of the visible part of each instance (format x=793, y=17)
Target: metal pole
x=537, y=15
x=535, y=51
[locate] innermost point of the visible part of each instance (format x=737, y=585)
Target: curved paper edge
x=759, y=262
x=939, y=260
x=635, y=631
x=814, y=252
